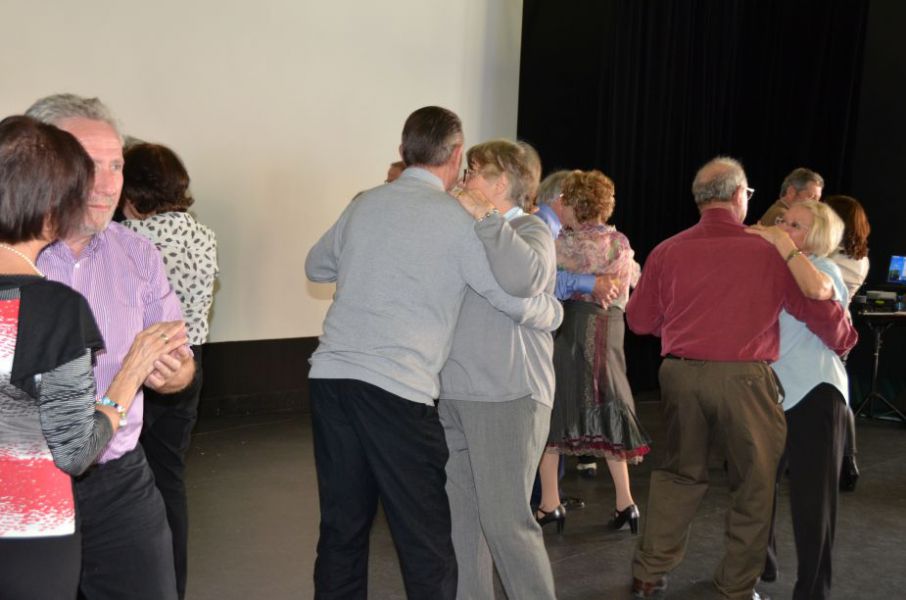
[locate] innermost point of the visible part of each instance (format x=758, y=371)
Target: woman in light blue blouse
x=816, y=391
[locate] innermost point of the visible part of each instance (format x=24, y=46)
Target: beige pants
x=739, y=402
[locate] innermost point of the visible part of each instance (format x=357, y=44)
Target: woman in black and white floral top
x=155, y=202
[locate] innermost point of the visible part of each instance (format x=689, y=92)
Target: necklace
x=23, y=257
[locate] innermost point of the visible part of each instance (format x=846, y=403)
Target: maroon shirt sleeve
x=825, y=318
x=644, y=313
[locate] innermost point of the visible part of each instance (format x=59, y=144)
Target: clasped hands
x=161, y=350
x=607, y=288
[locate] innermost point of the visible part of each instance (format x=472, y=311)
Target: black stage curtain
x=647, y=91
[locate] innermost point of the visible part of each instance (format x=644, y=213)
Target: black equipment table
x=879, y=322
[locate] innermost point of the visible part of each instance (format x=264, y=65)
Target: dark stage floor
x=254, y=510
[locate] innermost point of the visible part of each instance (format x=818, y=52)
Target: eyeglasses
x=749, y=193
x=795, y=225
x=468, y=174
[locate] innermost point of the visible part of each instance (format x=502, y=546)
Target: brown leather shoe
x=648, y=589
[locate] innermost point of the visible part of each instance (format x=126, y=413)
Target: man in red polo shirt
x=713, y=293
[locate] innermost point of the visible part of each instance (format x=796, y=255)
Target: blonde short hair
x=826, y=231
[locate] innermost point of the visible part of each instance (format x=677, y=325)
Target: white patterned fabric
x=189, y=251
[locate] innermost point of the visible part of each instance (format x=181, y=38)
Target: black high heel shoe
x=630, y=515
x=558, y=516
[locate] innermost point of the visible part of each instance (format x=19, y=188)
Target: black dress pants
x=814, y=449
x=127, y=551
x=369, y=445
x=166, y=433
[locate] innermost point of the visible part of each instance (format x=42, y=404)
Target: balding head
x=721, y=182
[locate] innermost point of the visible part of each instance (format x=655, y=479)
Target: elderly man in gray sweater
x=402, y=256
x=497, y=389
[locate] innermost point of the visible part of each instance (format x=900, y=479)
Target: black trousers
x=166, y=433
x=45, y=568
x=814, y=448
x=370, y=445
x=127, y=551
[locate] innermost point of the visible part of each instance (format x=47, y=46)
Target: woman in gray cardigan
x=497, y=386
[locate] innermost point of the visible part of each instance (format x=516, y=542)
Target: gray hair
x=533, y=160
x=59, y=107
x=718, y=180
x=430, y=136
x=518, y=160
x=551, y=187
x=799, y=179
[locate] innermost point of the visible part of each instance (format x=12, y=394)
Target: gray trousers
x=495, y=448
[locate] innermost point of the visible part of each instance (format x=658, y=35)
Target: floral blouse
x=599, y=250
x=189, y=251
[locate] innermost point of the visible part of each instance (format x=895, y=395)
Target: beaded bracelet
x=105, y=401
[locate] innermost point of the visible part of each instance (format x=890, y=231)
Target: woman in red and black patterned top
x=52, y=425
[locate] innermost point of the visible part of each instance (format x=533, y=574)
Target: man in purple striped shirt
x=126, y=545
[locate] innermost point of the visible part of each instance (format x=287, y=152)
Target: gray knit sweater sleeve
x=322, y=262
x=75, y=431
x=524, y=262
x=524, y=258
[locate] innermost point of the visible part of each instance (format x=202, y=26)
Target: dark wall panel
x=256, y=376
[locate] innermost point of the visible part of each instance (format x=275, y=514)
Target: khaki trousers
x=739, y=402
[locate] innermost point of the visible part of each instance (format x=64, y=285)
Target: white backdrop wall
x=281, y=109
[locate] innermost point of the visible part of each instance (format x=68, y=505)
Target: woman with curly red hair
x=593, y=413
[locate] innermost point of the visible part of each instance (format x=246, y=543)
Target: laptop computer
x=896, y=272
x=886, y=296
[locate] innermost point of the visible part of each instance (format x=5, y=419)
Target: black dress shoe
x=572, y=502
x=849, y=474
x=648, y=589
x=629, y=515
x=558, y=516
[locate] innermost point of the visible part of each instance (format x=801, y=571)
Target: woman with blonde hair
x=816, y=392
